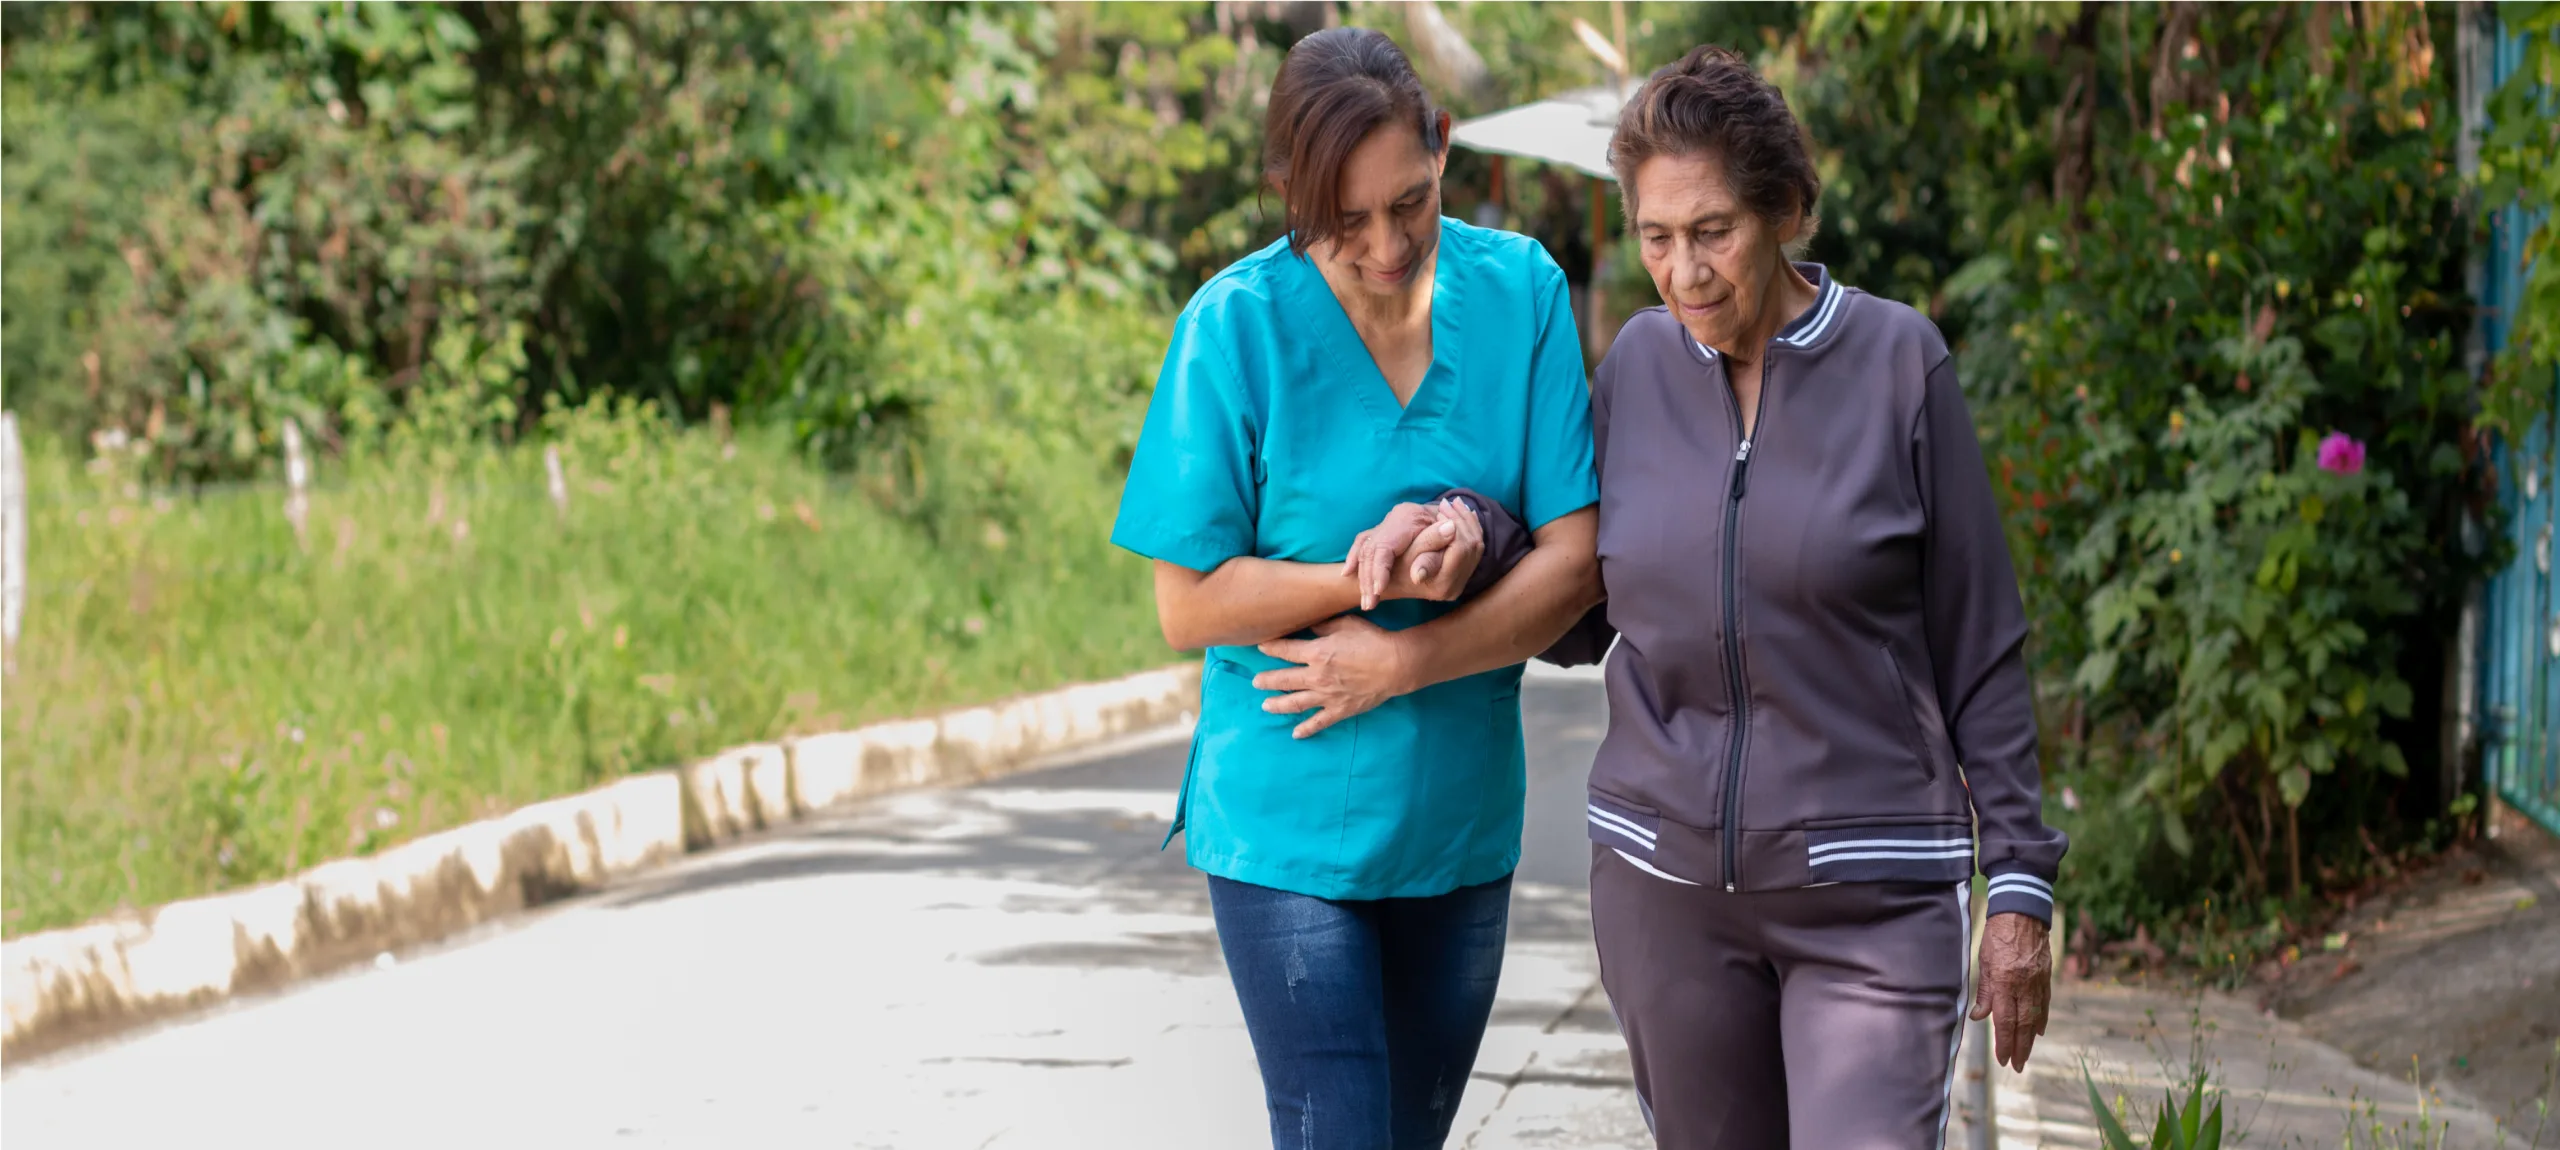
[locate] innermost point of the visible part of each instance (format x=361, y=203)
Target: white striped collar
x=1807, y=329
x=1817, y=320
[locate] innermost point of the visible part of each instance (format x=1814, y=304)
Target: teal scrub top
x=1273, y=434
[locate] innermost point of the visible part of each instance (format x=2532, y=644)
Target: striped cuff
x=2018, y=892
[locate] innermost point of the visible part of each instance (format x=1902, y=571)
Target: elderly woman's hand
x=1350, y=666
x=1418, y=551
x=2015, y=985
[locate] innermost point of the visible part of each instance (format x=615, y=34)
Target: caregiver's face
x=1716, y=262
x=1390, y=223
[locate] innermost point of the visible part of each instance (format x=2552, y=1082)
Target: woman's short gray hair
x=1714, y=103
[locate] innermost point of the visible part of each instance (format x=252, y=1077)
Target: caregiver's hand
x=1419, y=551
x=1350, y=666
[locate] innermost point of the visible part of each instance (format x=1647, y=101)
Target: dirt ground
x=2457, y=967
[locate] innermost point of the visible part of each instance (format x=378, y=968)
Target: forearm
x=1249, y=600
x=1532, y=606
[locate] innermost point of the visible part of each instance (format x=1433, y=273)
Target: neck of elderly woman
x=1785, y=295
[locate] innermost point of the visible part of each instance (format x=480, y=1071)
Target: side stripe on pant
x=1964, y=1005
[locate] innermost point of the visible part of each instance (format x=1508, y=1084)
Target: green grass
x=199, y=703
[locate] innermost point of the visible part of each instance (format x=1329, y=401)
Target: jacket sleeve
x=1507, y=542
x=1977, y=629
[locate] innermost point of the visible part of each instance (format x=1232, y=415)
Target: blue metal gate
x=2520, y=691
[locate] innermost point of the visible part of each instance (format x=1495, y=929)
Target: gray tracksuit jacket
x=1817, y=674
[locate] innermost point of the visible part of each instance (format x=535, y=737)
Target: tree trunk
x=2293, y=845
x=2075, y=119
x=2316, y=34
x=2278, y=26
x=2266, y=812
x=2253, y=869
x=2124, y=61
x=2169, y=84
x=1446, y=55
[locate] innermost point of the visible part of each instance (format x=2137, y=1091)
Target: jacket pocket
x=1910, y=714
x=1603, y=794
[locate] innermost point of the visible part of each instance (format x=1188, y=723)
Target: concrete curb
x=68, y=986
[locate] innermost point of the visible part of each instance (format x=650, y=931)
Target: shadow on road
x=1085, y=838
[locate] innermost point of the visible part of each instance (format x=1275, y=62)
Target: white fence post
x=559, y=477
x=297, y=480
x=720, y=426
x=13, y=525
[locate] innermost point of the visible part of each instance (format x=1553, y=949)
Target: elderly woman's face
x=1716, y=262
x=1390, y=225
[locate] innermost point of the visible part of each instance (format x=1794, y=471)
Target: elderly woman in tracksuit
x=1819, y=717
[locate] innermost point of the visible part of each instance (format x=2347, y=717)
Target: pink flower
x=2340, y=453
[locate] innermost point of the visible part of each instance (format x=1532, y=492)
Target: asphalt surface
x=1014, y=964
x=1008, y=965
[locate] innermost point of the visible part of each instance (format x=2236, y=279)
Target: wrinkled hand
x=2015, y=985
x=1350, y=666
x=1440, y=562
x=1419, y=551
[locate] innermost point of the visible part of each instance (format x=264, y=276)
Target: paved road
x=1010, y=965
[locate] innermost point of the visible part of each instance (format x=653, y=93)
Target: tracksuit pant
x=1821, y=1018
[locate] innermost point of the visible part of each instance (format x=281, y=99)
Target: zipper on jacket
x=1733, y=644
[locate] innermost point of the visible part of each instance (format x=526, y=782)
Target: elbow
x=1178, y=633
x=1571, y=544
x=1183, y=629
x=1178, y=608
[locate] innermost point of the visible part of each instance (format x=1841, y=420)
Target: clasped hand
x=1419, y=551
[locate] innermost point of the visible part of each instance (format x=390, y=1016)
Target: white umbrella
x=1570, y=128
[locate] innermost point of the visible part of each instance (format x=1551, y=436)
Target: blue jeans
x=1365, y=1015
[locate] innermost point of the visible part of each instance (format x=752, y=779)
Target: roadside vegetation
x=842, y=319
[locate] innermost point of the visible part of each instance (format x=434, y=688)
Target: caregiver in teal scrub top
x=1359, y=830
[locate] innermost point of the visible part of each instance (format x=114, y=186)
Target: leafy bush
x=2238, y=613
x=2520, y=174
x=935, y=250
x=2191, y=246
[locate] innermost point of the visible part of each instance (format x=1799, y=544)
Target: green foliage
x=2178, y=1126
x=2240, y=611
x=993, y=311
x=2178, y=248
x=934, y=250
x=293, y=245
x=2520, y=173
x=2246, y=589
x=1916, y=115
x=224, y=216
x=199, y=702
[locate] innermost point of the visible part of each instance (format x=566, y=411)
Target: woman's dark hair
x=1713, y=103
x=1335, y=88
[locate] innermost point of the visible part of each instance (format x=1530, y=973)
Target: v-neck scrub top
x=1273, y=434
